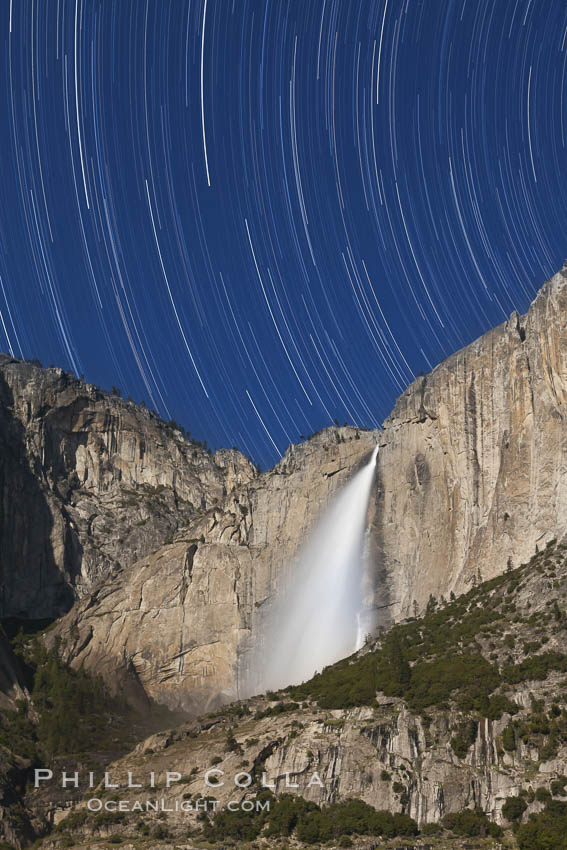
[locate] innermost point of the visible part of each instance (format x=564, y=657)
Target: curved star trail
x=260, y=216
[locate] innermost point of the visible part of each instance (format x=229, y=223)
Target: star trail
x=261, y=216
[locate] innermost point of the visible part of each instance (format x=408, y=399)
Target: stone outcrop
x=384, y=753
x=473, y=459
x=472, y=474
x=89, y=484
x=374, y=754
x=182, y=622
x=175, y=555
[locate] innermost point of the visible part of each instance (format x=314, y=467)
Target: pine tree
x=399, y=665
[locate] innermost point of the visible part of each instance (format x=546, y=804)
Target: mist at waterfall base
x=321, y=617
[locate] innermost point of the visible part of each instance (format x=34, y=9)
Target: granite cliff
x=436, y=742
x=89, y=483
x=472, y=475
x=206, y=590
x=168, y=557
x=161, y=559
x=473, y=464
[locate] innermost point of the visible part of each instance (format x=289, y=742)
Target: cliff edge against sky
x=112, y=515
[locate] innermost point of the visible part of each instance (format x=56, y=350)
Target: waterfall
x=321, y=616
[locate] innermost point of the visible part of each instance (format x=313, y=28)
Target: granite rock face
x=372, y=754
x=89, y=484
x=182, y=623
x=472, y=474
x=439, y=750
x=473, y=463
x=175, y=555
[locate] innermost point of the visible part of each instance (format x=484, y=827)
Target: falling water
x=321, y=617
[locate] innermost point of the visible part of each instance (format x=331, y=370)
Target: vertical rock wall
x=473, y=459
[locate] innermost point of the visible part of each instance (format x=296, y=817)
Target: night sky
x=261, y=216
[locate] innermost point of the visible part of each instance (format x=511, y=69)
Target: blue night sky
x=262, y=215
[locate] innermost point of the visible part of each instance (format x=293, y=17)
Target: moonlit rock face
x=317, y=619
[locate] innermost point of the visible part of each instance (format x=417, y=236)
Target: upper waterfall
x=316, y=620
